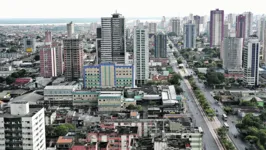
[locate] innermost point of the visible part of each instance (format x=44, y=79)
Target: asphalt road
x=208, y=140
x=232, y=129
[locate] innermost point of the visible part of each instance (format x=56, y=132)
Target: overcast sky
x=128, y=8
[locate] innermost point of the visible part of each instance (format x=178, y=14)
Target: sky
x=128, y=8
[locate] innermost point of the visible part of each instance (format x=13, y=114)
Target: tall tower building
x=216, y=27
x=190, y=35
x=48, y=66
x=141, y=55
x=113, y=43
x=241, y=26
x=73, y=56
x=59, y=57
x=22, y=127
x=197, y=24
x=232, y=54
x=251, y=53
x=70, y=29
x=175, y=26
x=48, y=37
x=152, y=28
x=160, y=45
x=248, y=25
x=262, y=37
x=226, y=30
x=98, y=44
x=231, y=19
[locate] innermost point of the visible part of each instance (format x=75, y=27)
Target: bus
x=226, y=125
x=224, y=117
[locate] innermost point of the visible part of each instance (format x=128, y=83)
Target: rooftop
x=64, y=140
x=32, y=98
x=32, y=112
x=68, y=87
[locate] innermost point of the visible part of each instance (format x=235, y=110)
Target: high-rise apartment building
x=48, y=37
x=197, y=24
x=22, y=128
x=152, y=28
x=141, y=55
x=113, y=43
x=59, y=57
x=70, y=29
x=241, y=26
x=226, y=30
x=248, y=24
x=175, y=23
x=231, y=19
x=232, y=54
x=190, y=35
x=262, y=37
x=251, y=53
x=216, y=27
x=73, y=58
x=48, y=66
x=160, y=45
x=98, y=44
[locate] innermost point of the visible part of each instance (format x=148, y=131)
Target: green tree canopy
x=62, y=129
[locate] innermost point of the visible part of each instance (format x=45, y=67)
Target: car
x=235, y=136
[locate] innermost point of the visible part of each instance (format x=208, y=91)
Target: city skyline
x=20, y=9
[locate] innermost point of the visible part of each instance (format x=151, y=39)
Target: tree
x=10, y=80
x=175, y=79
x=214, y=78
x=22, y=73
x=37, y=57
x=131, y=107
x=12, y=50
x=139, y=108
x=2, y=79
x=219, y=65
x=179, y=61
x=178, y=89
x=170, y=45
x=228, y=110
x=251, y=139
x=15, y=75
x=62, y=129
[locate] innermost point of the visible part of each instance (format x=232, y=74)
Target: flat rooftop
x=109, y=95
x=111, y=92
x=32, y=112
x=56, y=87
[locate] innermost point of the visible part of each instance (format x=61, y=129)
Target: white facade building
x=59, y=95
x=216, y=27
x=232, y=54
x=175, y=25
x=141, y=55
x=152, y=28
x=249, y=23
x=251, y=61
x=70, y=29
x=22, y=128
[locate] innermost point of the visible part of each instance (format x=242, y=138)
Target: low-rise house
x=64, y=143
